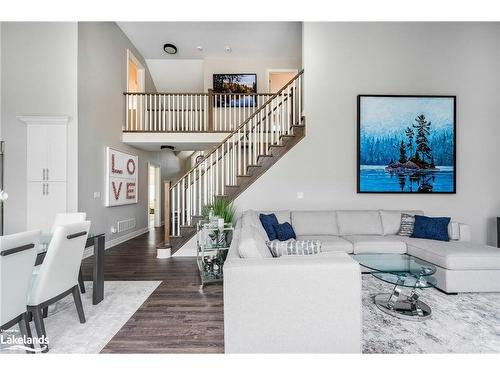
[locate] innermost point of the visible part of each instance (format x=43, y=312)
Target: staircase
x=234, y=164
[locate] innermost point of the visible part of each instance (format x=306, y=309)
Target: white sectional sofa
x=275, y=304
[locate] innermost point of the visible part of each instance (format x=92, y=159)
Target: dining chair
x=17, y=257
x=64, y=218
x=58, y=274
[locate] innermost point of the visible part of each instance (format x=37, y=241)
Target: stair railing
x=188, y=112
x=230, y=159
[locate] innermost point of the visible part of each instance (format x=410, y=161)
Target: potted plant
x=222, y=210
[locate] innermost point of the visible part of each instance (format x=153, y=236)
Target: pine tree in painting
x=422, y=127
x=402, y=153
x=409, y=134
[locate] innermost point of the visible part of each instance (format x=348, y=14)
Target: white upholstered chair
x=58, y=274
x=70, y=218
x=17, y=258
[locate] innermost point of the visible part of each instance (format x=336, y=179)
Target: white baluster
x=217, y=171
x=155, y=97
x=205, y=187
x=179, y=213
x=205, y=112
x=288, y=106
x=183, y=201
x=299, y=95
x=195, y=200
x=188, y=199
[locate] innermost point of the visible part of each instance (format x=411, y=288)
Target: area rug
x=67, y=335
x=462, y=323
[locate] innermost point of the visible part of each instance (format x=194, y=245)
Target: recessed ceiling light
x=170, y=49
x=199, y=48
x=228, y=49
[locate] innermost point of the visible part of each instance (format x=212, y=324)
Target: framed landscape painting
x=235, y=84
x=406, y=144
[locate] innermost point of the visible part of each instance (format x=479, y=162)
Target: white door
x=37, y=203
x=56, y=153
x=37, y=152
x=44, y=201
x=55, y=201
x=46, y=174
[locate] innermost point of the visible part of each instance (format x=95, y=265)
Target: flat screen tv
x=244, y=85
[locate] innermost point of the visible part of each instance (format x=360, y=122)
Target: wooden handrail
x=198, y=93
x=239, y=127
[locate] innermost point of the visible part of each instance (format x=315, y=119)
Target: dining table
x=95, y=240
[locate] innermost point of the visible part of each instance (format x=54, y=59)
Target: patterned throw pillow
x=293, y=247
x=407, y=223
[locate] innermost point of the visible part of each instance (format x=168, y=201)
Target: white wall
x=39, y=77
x=102, y=79
x=342, y=60
x=176, y=75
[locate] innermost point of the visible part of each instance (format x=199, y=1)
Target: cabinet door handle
x=47, y=189
x=43, y=174
x=47, y=177
x=43, y=188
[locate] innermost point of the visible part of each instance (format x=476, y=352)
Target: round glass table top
x=399, y=269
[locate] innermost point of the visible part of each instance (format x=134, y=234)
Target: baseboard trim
x=116, y=241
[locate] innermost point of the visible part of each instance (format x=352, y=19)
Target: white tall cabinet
x=45, y=170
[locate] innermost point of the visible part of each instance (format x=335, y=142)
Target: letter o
x=130, y=166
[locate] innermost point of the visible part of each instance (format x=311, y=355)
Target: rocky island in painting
x=406, y=144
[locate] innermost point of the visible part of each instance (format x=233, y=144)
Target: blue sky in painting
x=382, y=115
x=247, y=79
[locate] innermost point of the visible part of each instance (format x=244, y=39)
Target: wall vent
x=125, y=225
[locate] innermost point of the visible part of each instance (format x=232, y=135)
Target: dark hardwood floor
x=178, y=317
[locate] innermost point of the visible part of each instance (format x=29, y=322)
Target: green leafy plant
x=222, y=207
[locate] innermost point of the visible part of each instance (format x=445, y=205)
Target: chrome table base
x=403, y=306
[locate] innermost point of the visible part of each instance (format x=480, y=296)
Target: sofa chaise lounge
x=263, y=294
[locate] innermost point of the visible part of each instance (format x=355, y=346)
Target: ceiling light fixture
x=228, y=49
x=199, y=48
x=170, y=49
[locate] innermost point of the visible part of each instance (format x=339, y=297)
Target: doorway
x=135, y=83
x=154, y=196
x=135, y=74
x=277, y=78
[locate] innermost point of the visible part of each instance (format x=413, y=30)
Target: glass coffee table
x=402, y=271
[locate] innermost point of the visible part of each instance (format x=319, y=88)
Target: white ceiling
x=246, y=39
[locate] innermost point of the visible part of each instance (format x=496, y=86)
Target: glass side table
x=403, y=271
x=213, y=243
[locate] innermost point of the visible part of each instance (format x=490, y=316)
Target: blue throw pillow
x=267, y=222
x=284, y=231
x=431, y=228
